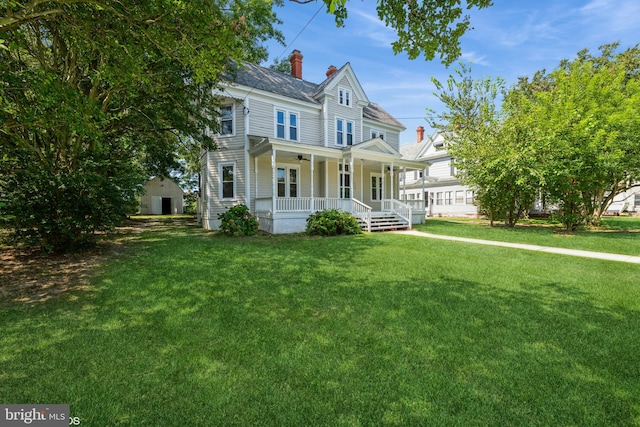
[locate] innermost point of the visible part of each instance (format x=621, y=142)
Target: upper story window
x=226, y=120
x=344, y=132
x=287, y=125
x=344, y=97
x=377, y=133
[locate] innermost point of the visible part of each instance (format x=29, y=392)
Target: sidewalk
x=572, y=252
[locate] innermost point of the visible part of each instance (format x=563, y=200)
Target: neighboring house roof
x=429, y=148
x=257, y=77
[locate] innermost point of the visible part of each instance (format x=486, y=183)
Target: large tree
x=97, y=95
x=489, y=145
x=585, y=114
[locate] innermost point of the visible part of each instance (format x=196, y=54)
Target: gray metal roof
x=268, y=80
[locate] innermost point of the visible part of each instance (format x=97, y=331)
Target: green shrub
x=332, y=222
x=238, y=221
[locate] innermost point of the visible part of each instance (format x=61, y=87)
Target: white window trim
x=233, y=123
x=378, y=133
x=343, y=140
x=220, y=183
x=347, y=99
x=287, y=123
x=287, y=176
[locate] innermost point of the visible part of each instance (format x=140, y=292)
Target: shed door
x=156, y=205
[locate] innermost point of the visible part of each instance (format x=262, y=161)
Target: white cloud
x=475, y=59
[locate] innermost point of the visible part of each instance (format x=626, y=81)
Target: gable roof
x=268, y=80
x=257, y=77
x=431, y=147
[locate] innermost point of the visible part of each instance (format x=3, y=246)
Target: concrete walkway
x=572, y=252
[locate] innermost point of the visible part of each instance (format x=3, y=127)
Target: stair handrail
x=403, y=210
x=362, y=211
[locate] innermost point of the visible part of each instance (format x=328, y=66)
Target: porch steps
x=381, y=221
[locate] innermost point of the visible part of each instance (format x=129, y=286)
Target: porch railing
x=416, y=205
x=362, y=211
x=403, y=210
x=303, y=204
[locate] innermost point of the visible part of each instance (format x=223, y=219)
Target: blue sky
x=510, y=39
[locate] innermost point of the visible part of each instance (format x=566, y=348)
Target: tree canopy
x=97, y=95
x=424, y=27
x=570, y=137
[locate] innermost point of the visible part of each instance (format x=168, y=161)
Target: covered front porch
x=294, y=180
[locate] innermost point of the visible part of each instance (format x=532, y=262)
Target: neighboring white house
x=628, y=201
x=161, y=197
x=289, y=147
x=445, y=196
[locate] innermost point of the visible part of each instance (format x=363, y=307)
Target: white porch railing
x=321, y=204
x=294, y=204
x=303, y=204
x=416, y=205
x=362, y=211
x=401, y=209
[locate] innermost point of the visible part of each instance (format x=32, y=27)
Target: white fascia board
x=381, y=125
x=242, y=92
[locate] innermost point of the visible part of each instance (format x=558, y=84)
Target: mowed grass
x=189, y=328
x=616, y=235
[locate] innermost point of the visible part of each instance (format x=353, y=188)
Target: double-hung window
x=377, y=133
x=287, y=125
x=469, y=200
x=344, y=97
x=344, y=132
x=226, y=120
x=227, y=181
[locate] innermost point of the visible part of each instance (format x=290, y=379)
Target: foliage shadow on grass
x=253, y=335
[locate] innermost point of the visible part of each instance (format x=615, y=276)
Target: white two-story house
x=289, y=147
x=438, y=187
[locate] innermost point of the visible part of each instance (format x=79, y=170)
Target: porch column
x=404, y=183
x=312, y=168
x=391, y=174
x=255, y=173
x=274, y=181
x=352, y=175
x=384, y=182
x=326, y=179
x=361, y=180
x=424, y=196
x=341, y=181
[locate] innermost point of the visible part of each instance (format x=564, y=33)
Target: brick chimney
x=331, y=71
x=296, y=64
x=420, y=132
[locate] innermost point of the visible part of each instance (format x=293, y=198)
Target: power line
x=286, y=49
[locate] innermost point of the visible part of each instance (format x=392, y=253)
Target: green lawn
x=188, y=328
x=617, y=235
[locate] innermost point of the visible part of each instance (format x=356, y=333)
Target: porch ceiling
x=263, y=146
